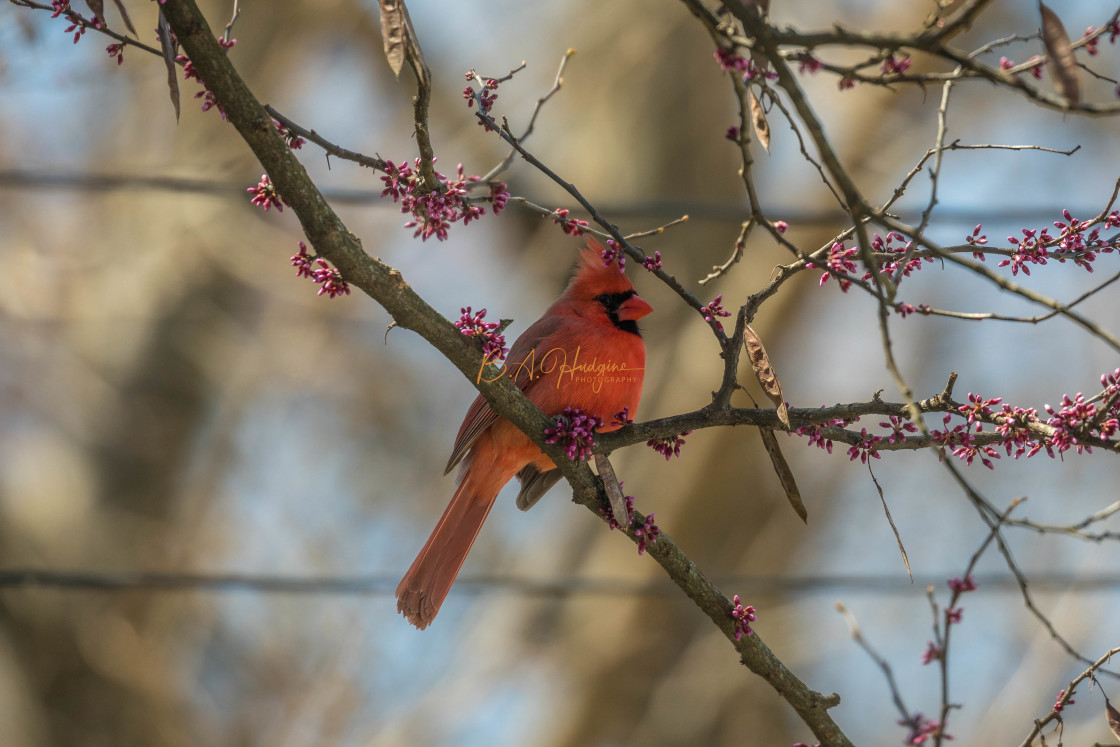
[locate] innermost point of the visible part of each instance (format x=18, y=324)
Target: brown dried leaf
x=785, y=474
x=396, y=33
x=764, y=372
x=170, y=48
x=758, y=119
x=890, y=520
x=1063, y=62
x=614, y=490
x=1113, y=717
x=97, y=7
x=124, y=15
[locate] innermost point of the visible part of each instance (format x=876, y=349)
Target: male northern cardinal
x=585, y=352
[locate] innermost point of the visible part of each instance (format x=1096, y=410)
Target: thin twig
x=1010, y=286
x=611, y=229
x=229, y=26
x=556, y=85
x=884, y=665
x=659, y=230
x=85, y=23
x=1067, y=695
x=989, y=516
x=947, y=624
x=983, y=315
x=330, y=148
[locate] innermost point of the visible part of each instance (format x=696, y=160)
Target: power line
x=696, y=210
x=383, y=585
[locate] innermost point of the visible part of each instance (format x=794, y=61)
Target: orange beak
x=633, y=308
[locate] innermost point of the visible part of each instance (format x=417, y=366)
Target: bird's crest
x=595, y=276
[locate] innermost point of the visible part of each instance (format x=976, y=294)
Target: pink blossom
x=474, y=325
x=715, y=309
x=899, y=428
x=613, y=254
x=865, y=447
x=743, y=617
x=841, y=261
x=266, y=196
x=670, y=446
x=575, y=431
x=570, y=226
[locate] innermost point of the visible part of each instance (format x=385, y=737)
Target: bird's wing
x=519, y=364
x=534, y=484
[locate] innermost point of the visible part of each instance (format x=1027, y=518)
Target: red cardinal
x=585, y=352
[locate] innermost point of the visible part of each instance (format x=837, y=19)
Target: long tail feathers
x=422, y=590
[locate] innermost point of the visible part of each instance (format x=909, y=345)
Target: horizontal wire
x=381, y=585
x=17, y=179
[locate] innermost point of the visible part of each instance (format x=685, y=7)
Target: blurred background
x=173, y=399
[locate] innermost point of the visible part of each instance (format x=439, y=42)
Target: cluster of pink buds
x=474, y=325
x=962, y=440
x=1075, y=241
x=485, y=98
x=1035, y=69
x=743, y=617
x=922, y=729
x=729, y=61
x=434, y=210
x=865, y=447
x=816, y=436
x=1074, y=416
x=841, y=261
x=294, y=141
x=977, y=239
x=622, y=417
x=647, y=534
x=319, y=271
x=1078, y=241
x=77, y=24
x=899, y=428
x=209, y=101
x=668, y=447
x=613, y=254
x=713, y=310
x=891, y=66
x=266, y=196
x=570, y=226
x=807, y=63
x=575, y=431
x=879, y=245
x=1073, y=425
x=1059, y=706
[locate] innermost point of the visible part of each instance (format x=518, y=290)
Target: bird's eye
x=603, y=298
